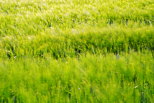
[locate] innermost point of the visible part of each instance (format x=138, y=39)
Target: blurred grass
x=73, y=42
x=76, y=51
x=62, y=28
x=31, y=17
x=91, y=78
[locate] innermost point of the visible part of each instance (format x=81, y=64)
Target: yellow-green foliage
x=116, y=40
x=90, y=79
x=76, y=51
x=29, y=17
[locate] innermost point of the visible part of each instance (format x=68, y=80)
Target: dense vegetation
x=91, y=79
x=77, y=51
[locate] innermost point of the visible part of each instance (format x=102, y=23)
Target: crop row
x=32, y=17
x=125, y=78
x=75, y=42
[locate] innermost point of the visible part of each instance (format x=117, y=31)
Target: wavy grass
x=76, y=51
x=32, y=17
x=74, y=42
x=91, y=78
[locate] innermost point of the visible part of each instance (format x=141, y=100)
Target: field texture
x=76, y=51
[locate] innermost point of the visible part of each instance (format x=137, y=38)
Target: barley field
x=76, y=51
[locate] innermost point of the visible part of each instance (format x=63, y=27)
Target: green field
x=76, y=51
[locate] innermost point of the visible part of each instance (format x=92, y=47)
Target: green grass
x=102, y=41
x=31, y=17
x=76, y=51
x=123, y=78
